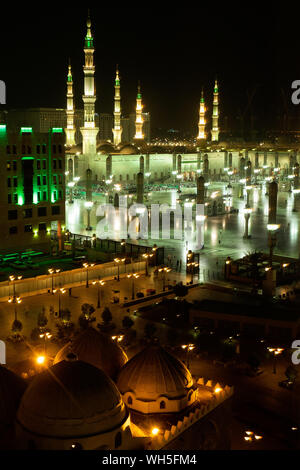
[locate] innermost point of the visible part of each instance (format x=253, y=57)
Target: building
x=32, y=196
x=154, y=403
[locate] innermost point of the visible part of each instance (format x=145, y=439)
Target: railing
x=72, y=278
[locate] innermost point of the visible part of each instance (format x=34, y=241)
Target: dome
x=97, y=349
x=71, y=399
x=129, y=149
x=155, y=373
x=12, y=388
x=105, y=147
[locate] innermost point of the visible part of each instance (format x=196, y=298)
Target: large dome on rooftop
x=70, y=400
x=97, y=349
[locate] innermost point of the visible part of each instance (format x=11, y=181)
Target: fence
x=73, y=278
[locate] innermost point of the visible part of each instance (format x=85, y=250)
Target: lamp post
x=87, y=266
x=52, y=272
x=15, y=300
x=60, y=291
x=147, y=256
x=154, y=249
x=118, y=261
x=132, y=276
x=164, y=270
x=46, y=336
x=188, y=348
x=247, y=213
x=275, y=352
x=100, y=284
x=88, y=205
x=71, y=185
x=13, y=279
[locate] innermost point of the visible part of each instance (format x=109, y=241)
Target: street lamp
x=87, y=266
x=13, y=279
x=88, y=205
x=188, y=348
x=46, y=336
x=100, y=284
x=60, y=291
x=133, y=276
x=247, y=213
x=164, y=270
x=147, y=256
x=15, y=300
x=118, y=261
x=275, y=352
x=52, y=272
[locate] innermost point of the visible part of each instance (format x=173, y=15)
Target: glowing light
x=155, y=431
x=40, y=359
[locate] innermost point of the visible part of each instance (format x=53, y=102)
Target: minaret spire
x=70, y=129
x=215, y=116
x=117, y=130
x=138, y=115
x=201, y=124
x=89, y=131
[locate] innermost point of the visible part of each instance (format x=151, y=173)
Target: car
x=151, y=291
x=289, y=384
x=140, y=295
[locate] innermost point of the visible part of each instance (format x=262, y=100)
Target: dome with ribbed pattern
x=155, y=373
x=97, y=349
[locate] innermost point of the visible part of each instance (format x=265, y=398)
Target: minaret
x=89, y=131
x=138, y=115
x=215, y=116
x=70, y=129
x=117, y=130
x=201, y=124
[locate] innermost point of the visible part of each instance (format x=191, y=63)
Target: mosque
x=94, y=398
x=120, y=162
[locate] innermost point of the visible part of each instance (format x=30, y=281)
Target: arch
x=162, y=405
x=129, y=400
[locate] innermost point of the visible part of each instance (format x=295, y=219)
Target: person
x=177, y=264
x=70, y=291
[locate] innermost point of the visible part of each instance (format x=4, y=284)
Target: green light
x=26, y=130
x=139, y=96
x=57, y=130
x=117, y=82
x=2, y=128
x=35, y=198
x=27, y=158
x=52, y=197
x=20, y=200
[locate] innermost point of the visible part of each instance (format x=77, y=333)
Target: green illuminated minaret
x=117, y=130
x=201, y=123
x=70, y=129
x=138, y=115
x=89, y=131
x=215, y=116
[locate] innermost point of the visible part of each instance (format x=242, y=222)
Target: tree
x=150, y=330
x=127, y=322
x=65, y=316
x=87, y=310
x=180, y=290
x=42, y=320
x=106, y=316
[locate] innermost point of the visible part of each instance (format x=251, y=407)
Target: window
x=118, y=440
x=14, y=165
x=8, y=166
x=15, y=199
x=54, y=179
x=60, y=179
x=27, y=213
x=60, y=194
x=12, y=215
x=38, y=164
x=54, y=164
x=28, y=228
x=9, y=198
x=44, y=165
x=8, y=150
x=39, y=181
x=44, y=195
x=54, y=148
x=13, y=230
x=39, y=196
x=42, y=227
x=59, y=164
x=162, y=405
x=55, y=210
x=28, y=149
x=38, y=149
x=42, y=211
x=59, y=149
x=8, y=182
x=44, y=180
x=15, y=182
x=14, y=150
x=23, y=149
x=44, y=148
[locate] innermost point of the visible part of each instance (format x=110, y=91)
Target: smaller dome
x=155, y=373
x=71, y=399
x=129, y=149
x=105, y=147
x=97, y=349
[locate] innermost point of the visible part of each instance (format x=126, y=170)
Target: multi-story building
x=32, y=194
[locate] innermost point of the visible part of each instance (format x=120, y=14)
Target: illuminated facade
x=117, y=130
x=33, y=197
x=70, y=129
x=201, y=124
x=215, y=115
x=89, y=130
x=138, y=116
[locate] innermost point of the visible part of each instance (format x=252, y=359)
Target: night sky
x=174, y=52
